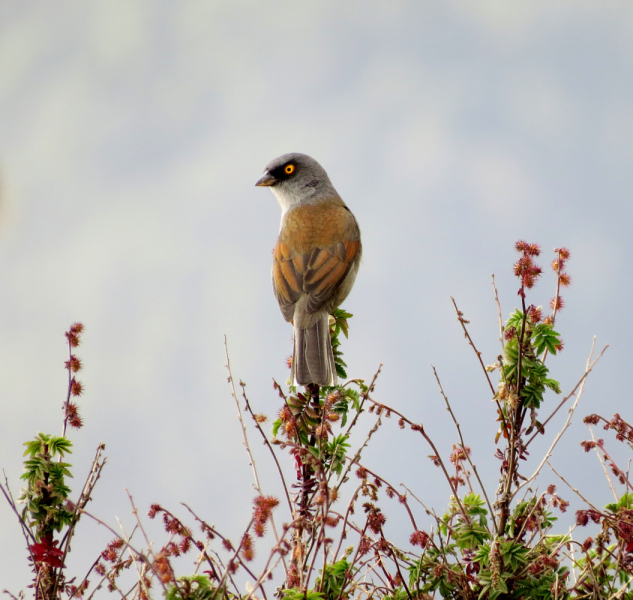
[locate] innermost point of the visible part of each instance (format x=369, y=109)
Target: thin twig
x=463, y=322
x=267, y=568
x=84, y=497
x=98, y=586
x=270, y=448
x=356, y=554
x=357, y=456
x=604, y=467
x=580, y=382
x=26, y=532
x=420, y=428
x=350, y=506
x=138, y=521
x=241, y=420
x=614, y=466
x=134, y=558
x=401, y=498
x=364, y=397
x=236, y=556
x=526, y=520
x=466, y=454
x=501, y=338
x=86, y=494
x=211, y=530
x=395, y=560
x=428, y=511
x=127, y=544
x=573, y=489
x=580, y=387
x=251, y=458
x=556, y=297
x=94, y=564
x=70, y=388
x=9, y=496
x=265, y=574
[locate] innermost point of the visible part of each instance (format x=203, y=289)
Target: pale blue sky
x=131, y=134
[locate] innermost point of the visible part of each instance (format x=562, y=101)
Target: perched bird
x=315, y=260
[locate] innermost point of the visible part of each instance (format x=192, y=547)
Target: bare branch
x=466, y=454
x=251, y=458
x=580, y=387
x=463, y=321
x=501, y=338
x=420, y=428
x=604, y=467
x=245, y=443
x=573, y=489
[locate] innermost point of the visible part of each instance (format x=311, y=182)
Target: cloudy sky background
x=131, y=134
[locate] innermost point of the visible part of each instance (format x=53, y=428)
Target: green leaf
x=470, y=535
x=59, y=446
x=294, y=594
x=514, y=554
x=336, y=452
x=515, y=320
x=340, y=325
x=340, y=371
x=553, y=385
x=32, y=448
x=625, y=502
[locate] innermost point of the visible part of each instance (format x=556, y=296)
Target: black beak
x=266, y=180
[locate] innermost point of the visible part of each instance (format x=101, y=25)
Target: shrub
x=483, y=546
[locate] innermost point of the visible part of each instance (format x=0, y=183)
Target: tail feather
x=313, y=359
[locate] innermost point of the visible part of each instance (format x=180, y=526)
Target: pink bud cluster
x=525, y=268
x=564, y=280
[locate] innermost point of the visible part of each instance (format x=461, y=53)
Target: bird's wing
x=318, y=273
x=288, y=269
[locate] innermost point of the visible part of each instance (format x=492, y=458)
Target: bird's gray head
x=296, y=178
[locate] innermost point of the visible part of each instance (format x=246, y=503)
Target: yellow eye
x=290, y=169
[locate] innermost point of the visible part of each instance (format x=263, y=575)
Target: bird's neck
x=290, y=199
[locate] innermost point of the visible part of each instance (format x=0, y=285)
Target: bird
x=315, y=260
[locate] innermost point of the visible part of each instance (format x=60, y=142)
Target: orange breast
x=317, y=226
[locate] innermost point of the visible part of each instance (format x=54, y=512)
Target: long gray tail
x=313, y=360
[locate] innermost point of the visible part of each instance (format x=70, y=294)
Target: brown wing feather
x=322, y=283
x=286, y=295
x=318, y=273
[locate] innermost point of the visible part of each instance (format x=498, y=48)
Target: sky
x=131, y=135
